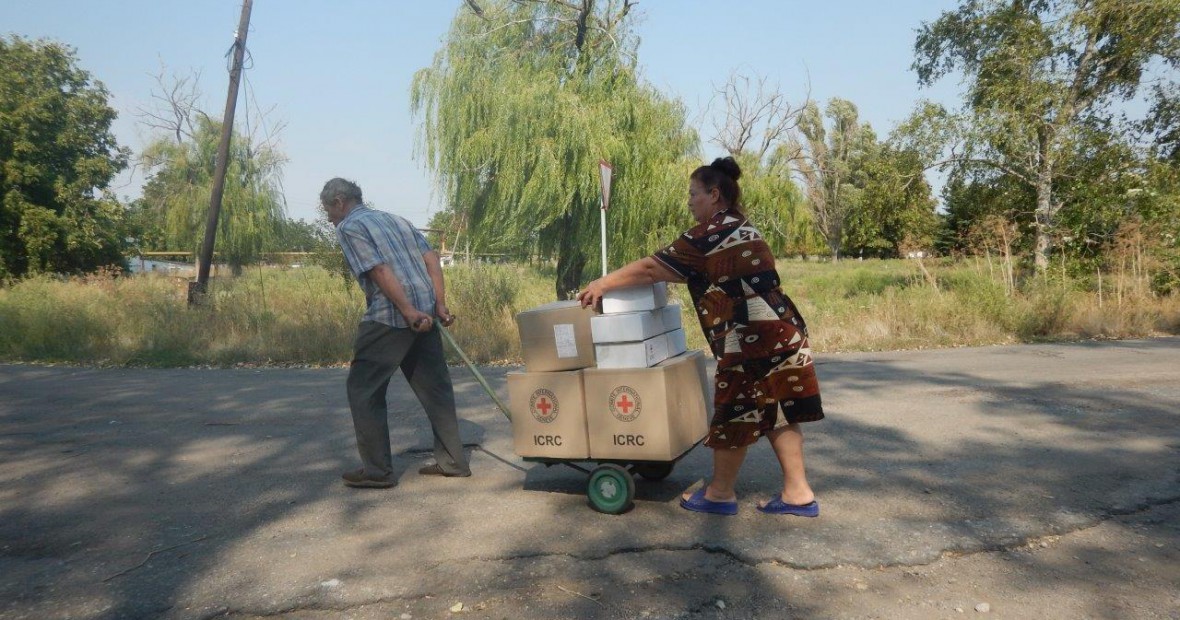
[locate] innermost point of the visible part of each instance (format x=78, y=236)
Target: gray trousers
x=379, y=351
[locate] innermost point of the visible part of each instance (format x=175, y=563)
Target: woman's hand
x=591, y=295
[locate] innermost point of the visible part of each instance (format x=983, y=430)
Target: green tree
x=516, y=110
x=1163, y=121
x=975, y=198
x=828, y=160
x=896, y=213
x=1036, y=72
x=181, y=180
x=57, y=158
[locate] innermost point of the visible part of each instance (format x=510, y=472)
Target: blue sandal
x=777, y=506
x=698, y=503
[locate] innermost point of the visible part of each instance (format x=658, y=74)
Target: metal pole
x=602, y=226
x=605, y=171
x=197, y=289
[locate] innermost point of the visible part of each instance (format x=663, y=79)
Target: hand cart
x=611, y=486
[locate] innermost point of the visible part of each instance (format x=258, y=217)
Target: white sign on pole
x=604, y=174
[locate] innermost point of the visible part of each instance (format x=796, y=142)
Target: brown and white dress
x=765, y=373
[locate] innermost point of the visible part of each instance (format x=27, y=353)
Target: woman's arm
x=643, y=271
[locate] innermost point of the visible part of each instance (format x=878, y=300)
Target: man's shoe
x=356, y=479
x=434, y=469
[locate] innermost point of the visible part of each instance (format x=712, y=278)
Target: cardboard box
x=626, y=327
x=647, y=414
x=669, y=317
x=632, y=354
x=636, y=298
x=634, y=326
x=677, y=342
x=548, y=414
x=556, y=336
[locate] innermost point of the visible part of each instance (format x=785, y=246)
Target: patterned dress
x=765, y=374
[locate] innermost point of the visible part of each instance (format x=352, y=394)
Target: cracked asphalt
x=1034, y=481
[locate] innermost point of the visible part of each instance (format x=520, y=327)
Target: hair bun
x=728, y=167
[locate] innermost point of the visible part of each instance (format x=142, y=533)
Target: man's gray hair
x=341, y=188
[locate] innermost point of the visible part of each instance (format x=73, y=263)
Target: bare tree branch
x=475, y=9
x=757, y=116
x=176, y=104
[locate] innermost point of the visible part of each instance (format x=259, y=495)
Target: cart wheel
x=654, y=471
x=611, y=489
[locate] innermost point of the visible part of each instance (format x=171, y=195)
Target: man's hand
x=444, y=315
x=419, y=321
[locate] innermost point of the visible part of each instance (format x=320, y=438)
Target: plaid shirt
x=369, y=238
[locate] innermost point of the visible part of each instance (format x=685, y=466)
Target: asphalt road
x=1038, y=481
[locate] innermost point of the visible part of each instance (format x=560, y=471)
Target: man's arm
x=387, y=281
x=434, y=268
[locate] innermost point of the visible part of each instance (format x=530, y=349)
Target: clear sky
x=338, y=72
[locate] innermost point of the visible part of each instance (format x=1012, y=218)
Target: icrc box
x=634, y=326
x=647, y=414
x=556, y=336
x=636, y=298
x=548, y=414
x=632, y=354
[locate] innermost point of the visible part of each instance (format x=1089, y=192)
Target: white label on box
x=567, y=345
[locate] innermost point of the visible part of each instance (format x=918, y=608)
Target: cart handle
x=470, y=366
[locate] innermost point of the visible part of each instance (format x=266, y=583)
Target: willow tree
x=1037, y=73
x=516, y=110
x=181, y=180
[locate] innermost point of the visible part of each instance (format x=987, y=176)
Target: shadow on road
x=148, y=493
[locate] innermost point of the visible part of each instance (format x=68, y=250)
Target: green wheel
x=611, y=489
x=654, y=471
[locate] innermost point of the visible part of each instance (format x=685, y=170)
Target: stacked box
x=556, y=336
x=636, y=328
x=647, y=414
x=547, y=400
x=613, y=386
x=548, y=414
x=636, y=298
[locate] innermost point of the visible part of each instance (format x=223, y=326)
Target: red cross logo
x=625, y=403
x=544, y=405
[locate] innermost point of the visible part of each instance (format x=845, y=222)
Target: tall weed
x=309, y=315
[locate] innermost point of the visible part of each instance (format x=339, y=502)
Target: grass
x=309, y=316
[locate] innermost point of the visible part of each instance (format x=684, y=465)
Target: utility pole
x=196, y=290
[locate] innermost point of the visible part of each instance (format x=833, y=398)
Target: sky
x=336, y=74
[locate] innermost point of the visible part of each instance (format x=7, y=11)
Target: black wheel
x=654, y=471
x=611, y=489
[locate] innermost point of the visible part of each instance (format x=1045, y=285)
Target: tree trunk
x=1045, y=212
x=570, y=263
x=1044, y=217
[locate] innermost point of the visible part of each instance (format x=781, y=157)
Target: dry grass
x=308, y=316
